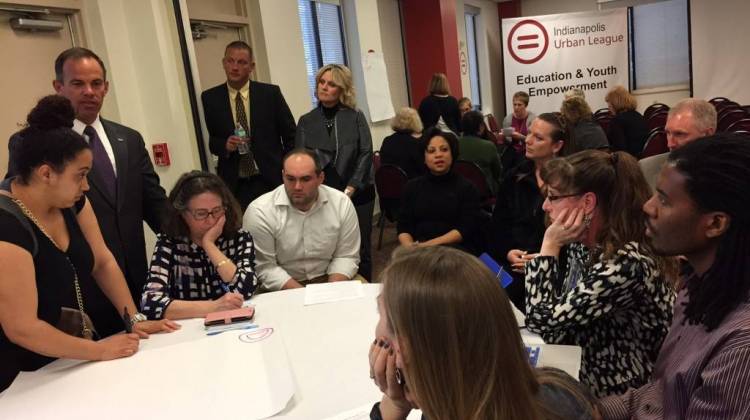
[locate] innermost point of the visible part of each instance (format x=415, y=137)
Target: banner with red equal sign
x=545, y=56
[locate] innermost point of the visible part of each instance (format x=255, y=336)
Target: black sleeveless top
x=54, y=283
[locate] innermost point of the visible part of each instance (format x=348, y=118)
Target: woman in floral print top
x=606, y=291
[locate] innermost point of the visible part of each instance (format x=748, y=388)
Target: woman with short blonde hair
x=407, y=120
x=627, y=130
x=402, y=148
x=584, y=132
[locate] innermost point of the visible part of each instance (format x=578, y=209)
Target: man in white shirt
x=304, y=231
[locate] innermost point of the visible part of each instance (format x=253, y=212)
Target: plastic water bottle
x=240, y=132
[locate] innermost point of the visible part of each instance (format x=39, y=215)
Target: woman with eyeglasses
x=203, y=262
x=518, y=218
x=340, y=136
x=608, y=294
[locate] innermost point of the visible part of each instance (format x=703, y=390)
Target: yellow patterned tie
x=247, y=161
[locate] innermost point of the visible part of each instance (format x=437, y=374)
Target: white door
x=26, y=74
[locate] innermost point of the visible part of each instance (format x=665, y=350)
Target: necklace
x=86, y=331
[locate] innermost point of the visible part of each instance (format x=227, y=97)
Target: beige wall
x=719, y=46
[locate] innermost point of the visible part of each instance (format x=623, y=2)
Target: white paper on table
x=363, y=413
x=213, y=377
x=333, y=292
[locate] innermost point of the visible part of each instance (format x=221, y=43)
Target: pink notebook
x=229, y=317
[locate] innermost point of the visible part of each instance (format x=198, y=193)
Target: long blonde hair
x=342, y=77
x=462, y=350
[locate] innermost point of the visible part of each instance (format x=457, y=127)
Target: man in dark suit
x=124, y=191
x=270, y=127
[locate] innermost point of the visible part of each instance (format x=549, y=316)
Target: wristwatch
x=138, y=317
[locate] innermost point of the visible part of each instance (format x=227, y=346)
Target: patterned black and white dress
x=618, y=310
x=182, y=270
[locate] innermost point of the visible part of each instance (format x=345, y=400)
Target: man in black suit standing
x=251, y=167
x=124, y=191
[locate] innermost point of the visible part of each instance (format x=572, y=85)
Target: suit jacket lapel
x=253, y=102
x=120, y=150
x=224, y=97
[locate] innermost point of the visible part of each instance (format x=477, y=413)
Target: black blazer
x=139, y=198
x=271, y=124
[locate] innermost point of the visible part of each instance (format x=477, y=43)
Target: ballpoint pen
x=127, y=321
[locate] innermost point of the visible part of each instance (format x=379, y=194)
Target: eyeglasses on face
x=552, y=197
x=202, y=214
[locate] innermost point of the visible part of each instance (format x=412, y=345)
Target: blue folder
x=500, y=273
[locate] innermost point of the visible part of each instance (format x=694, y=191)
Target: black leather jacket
x=348, y=149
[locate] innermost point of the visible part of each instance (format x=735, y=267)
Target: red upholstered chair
x=603, y=117
x=723, y=107
x=492, y=123
x=390, y=181
x=376, y=160
x=602, y=113
x=653, y=108
x=729, y=117
x=657, y=120
x=718, y=100
x=739, y=126
x=473, y=173
x=656, y=143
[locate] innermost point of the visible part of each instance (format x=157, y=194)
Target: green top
x=483, y=153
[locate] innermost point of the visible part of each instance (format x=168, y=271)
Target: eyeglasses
x=552, y=197
x=202, y=214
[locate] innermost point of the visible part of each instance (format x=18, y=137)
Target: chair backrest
x=730, y=117
x=717, y=100
x=720, y=112
x=656, y=143
x=390, y=181
x=726, y=106
x=473, y=173
x=654, y=108
x=739, y=126
x=376, y=160
x=602, y=113
x=492, y=123
x=657, y=120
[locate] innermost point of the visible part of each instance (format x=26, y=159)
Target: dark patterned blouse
x=617, y=310
x=182, y=270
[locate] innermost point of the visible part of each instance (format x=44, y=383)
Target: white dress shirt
x=79, y=126
x=290, y=243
